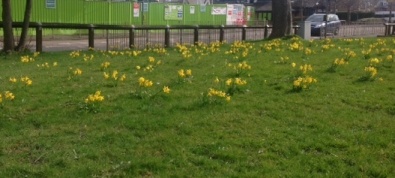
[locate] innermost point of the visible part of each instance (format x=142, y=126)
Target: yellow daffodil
x=13, y=80
x=166, y=89
x=77, y=71
x=181, y=73
x=115, y=75
x=188, y=72
x=123, y=77
x=8, y=95
x=229, y=82
x=151, y=59
x=106, y=75
x=216, y=80
x=97, y=97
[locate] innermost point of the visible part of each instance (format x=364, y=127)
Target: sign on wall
x=136, y=9
x=145, y=7
x=203, y=8
x=234, y=15
x=218, y=11
x=192, y=9
x=173, y=12
x=50, y=4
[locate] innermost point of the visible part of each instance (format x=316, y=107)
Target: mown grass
x=340, y=126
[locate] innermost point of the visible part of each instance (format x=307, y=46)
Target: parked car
x=319, y=21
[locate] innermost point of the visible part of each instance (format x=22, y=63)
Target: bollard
x=131, y=37
x=39, y=38
x=91, y=36
x=221, y=33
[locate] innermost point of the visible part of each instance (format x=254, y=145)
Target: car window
x=316, y=18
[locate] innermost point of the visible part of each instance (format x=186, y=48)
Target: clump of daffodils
x=213, y=95
x=114, y=76
x=366, y=53
x=240, y=49
x=47, y=65
x=184, y=50
x=75, y=54
x=308, y=51
x=27, y=81
x=27, y=59
x=150, y=66
x=88, y=57
x=7, y=96
x=370, y=73
x=390, y=58
x=77, y=71
x=143, y=90
x=185, y=75
x=13, y=80
x=241, y=67
x=234, y=84
x=105, y=65
x=166, y=89
x=303, y=82
x=145, y=82
x=296, y=46
x=305, y=68
x=74, y=72
x=337, y=63
x=94, y=98
x=374, y=62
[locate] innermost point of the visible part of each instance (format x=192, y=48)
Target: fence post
x=91, y=36
x=265, y=32
x=243, y=33
x=167, y=36
x=387, y=29
x=131, y=37
x=221, y=33
x=39, y=37
x=196, y=35
x=296, y=28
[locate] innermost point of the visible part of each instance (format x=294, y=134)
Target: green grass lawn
x=280, y=108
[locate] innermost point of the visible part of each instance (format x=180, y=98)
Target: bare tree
x=7, y=27
x=25, y=27
x=349, y=6
x=9, y=42
x=282, y=18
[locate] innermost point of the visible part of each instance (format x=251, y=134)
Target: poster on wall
x=234, y=14
x=173, y=12
x=192, y=9
x=202, y=8
x=136, y=9
x=51, y=4
x=145, y=7
x=218, y=11
x=249, y=12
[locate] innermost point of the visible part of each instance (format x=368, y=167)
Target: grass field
x=279, y=108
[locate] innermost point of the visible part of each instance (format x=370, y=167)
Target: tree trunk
x=282, y=18
x=25, y=27
x=8, y=40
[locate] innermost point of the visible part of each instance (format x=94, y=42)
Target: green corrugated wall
x=121, y=13
x=96, y=13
